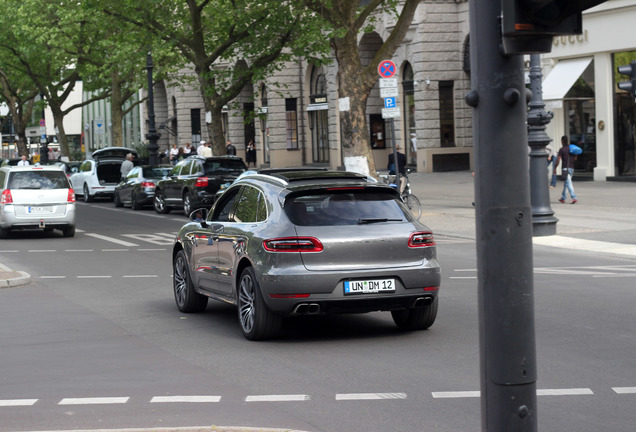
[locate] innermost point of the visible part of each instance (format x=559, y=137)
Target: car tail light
x=293, y=244
x=201, y=182
x=431, y=288
x=6, y=197
x=147, y=184
x=71, y=196
x=421, y=239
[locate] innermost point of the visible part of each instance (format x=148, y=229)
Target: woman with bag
x=567, y=169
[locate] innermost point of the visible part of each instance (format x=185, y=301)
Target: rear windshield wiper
x=376, y=220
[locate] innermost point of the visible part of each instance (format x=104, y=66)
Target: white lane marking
x=585, y=245
x=9, y=251
x=564, y=392
x=52, y=277
x=42, y=250
x=112, y=239
x=540, y=392
x=115, y=250
x=278, y=398
x=17, y=402
x=95, y=277
x=94, y=401
x=140, y=276
x=150, y=250
x=192, y=399
x=151, y=238
x=463, y=277
x=78, y=250
x=455, y=394
x=624, y=390
x=370, y=396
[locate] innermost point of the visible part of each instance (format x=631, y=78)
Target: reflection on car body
x=293, y=243
x=138, y=189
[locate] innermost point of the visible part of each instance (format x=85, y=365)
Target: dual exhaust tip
x=307, y=309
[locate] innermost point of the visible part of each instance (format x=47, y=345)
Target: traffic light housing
x=528, y=26
x=630, y=71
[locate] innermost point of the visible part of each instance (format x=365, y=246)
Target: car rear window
x=348, y=207
x=223, y=165
x=38, y=180
x=155, y=173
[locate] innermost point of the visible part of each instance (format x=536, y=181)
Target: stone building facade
x=293, y=117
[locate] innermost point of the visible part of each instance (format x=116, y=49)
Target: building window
x=446, y=114
x=291, y=117
x=195, y=124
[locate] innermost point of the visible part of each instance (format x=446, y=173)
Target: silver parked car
x=36, y=197
x=313, y=242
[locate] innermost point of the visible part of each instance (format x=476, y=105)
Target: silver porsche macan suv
x=307, y=242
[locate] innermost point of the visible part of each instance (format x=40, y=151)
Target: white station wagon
x=36, y=197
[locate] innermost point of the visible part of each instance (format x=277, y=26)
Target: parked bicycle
x=411, y=201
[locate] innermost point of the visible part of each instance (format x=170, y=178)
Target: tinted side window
x=223, y=210
x=247, y=205
x=133, y=173
x=261, y=211
x=176, y=170
x=86, y=166
x=3, y=175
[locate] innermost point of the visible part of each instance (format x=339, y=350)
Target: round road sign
x=386, y=69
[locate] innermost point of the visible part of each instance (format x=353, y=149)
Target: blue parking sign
x=389, y=102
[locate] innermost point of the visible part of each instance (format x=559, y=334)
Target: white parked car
x=97, y=177
x=36, y=197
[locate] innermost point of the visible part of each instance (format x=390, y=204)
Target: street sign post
x=389, y=91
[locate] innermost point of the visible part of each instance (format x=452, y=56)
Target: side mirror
x=199, y=215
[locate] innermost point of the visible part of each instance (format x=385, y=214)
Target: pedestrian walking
x=250, y=154
x=231, y=150
x=567, y=169
x=206, y=151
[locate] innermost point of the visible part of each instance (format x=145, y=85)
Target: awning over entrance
x=562, y=78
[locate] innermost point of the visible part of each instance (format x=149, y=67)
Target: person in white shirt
x=24, y=161
x=174, y=153
x=200, y=148
x=206, y=152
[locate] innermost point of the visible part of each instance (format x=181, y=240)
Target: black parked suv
x=193, y=182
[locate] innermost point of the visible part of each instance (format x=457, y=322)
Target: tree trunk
x=116, y=111
x=58, y=117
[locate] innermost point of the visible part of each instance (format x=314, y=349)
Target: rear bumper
x=8, y=219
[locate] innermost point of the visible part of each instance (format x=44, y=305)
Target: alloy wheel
x=246, y=303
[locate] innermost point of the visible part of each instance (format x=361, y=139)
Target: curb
x=10, y=278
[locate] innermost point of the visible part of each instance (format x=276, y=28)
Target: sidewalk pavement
x=603, y=219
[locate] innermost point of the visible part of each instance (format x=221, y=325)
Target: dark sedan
x=138, y=189
x=194, y=181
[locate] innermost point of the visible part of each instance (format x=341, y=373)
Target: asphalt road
x=96, y=342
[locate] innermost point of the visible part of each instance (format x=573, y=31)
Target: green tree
x=349, y=19
x=19, y=95
x=212, y=36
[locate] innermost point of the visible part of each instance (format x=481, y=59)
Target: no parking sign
x=386, y=68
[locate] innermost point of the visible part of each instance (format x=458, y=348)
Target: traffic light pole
x=503, y=228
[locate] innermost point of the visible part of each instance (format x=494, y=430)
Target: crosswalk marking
x=111, y=239
x=157, y=239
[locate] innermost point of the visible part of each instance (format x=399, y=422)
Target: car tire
x=134, y=204
x=419, y=318
x=187, y=203
x=69, y=231
x=257, y=321
x=117, y=200
x=186, y=298
x=159, y=203
x=87, y=196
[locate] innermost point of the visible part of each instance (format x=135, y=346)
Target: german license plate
x=40, y=210
x=369, y=286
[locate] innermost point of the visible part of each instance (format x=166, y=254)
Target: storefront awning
x=562, y=78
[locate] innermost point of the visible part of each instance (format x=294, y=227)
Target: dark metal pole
x=44, y=151
x=152, y=136
x=543, y=220
x=503, y=228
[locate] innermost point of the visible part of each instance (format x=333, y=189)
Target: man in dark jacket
x=231, y=150
x=401, y=166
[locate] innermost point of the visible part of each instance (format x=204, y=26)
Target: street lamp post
x=152, y=136
x=543, y=220
x=44, y=151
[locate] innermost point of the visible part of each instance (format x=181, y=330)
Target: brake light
x=293, y=244
x=421, y=239
x=147, y=184
x=6, y=197
x=201, y=182
x=71, y=196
